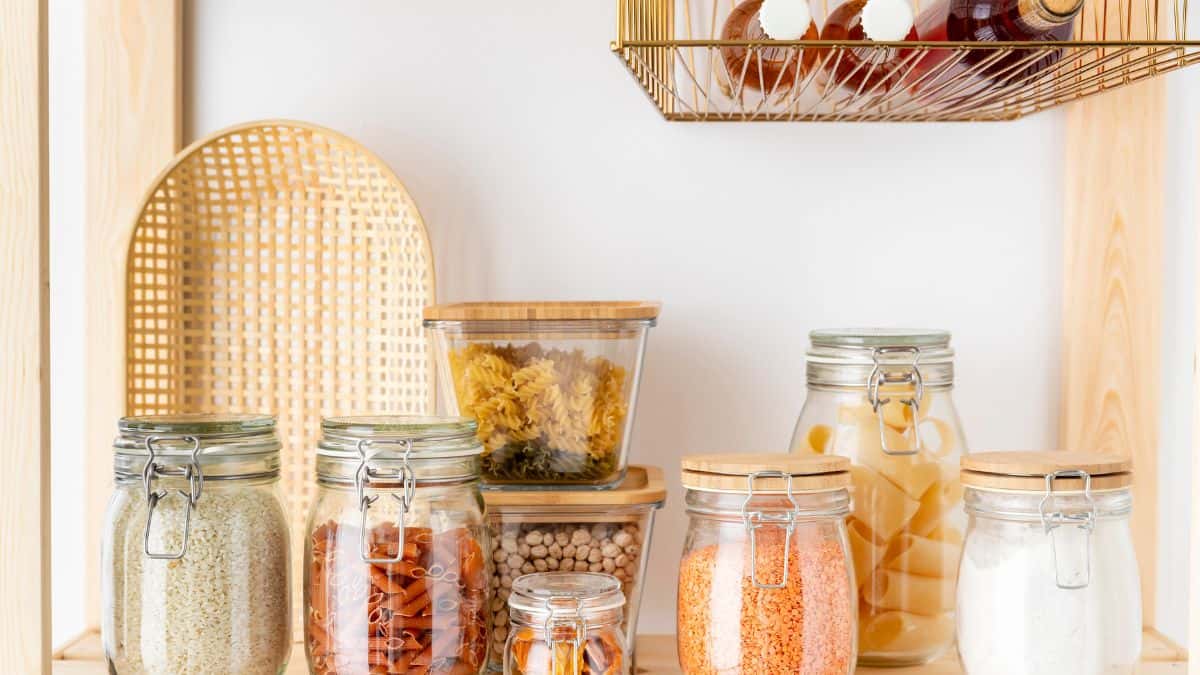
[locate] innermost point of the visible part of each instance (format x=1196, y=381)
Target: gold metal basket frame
x=687, y=78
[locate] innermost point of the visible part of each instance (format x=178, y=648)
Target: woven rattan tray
x=279, y=267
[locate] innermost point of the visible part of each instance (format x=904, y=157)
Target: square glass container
x=569, y=530
x=552, y=385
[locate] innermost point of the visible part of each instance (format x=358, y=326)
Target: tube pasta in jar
x=903, y=532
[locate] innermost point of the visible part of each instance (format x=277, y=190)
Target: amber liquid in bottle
x=993, y=21
x=770, y=69
x=865, y=70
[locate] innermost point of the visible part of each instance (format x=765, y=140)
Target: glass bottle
x=869, y=69
x=768, y=69
x=765, y=580
x=882, y=398
x=195, y=552
x=995, y=21
x=1049, y=580
x=566, y=623
x=395, y=570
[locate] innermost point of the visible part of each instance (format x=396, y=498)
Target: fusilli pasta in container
x=552, y=385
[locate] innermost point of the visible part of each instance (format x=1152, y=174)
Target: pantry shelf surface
x=655, y=654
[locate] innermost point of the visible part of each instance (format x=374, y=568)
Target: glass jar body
x=428, y=608
x=602, y=651
x=905, y=530
x=224, y=607
x=1013, y=615
x=554, y=400
x=729, y=623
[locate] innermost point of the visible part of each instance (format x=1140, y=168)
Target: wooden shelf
x=656, y=654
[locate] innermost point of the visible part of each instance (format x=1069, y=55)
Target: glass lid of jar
x=213, y=437
x=390, y=436
x=873, y=357
x=869, y=338
x=566, y=594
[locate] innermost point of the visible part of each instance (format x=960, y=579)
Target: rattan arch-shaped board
x=279, y=267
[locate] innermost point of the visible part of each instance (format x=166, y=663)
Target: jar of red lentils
x=765, y=583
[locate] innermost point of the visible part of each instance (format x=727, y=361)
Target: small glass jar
x=396, y=573
x=553, y=385
x=195, y=551
x=765, y=582
x=566, y=623
x=1048, y=581
x=882, y=398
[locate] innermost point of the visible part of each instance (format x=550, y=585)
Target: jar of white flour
x=1048, y=583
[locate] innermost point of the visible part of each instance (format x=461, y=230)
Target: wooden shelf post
x=24, y=341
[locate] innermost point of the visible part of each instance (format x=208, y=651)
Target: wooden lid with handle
x=730, y=472
x=544, y=311
x=1028, y=470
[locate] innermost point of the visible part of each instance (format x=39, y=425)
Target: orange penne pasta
x=384, y=582
x=414, y=606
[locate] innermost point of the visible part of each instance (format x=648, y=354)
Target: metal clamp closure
x=195, y=478
x=578, y=624
x=881, y=377
x=754, y=520
x=363, y=476
x=1070, y=546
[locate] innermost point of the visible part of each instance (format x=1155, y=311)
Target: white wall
x=542, y=172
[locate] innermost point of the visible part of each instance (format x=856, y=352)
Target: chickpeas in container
x=571, y=531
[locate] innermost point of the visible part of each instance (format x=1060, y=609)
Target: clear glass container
x=765, y=581
x=553, y=385
x=883, y=398
x=395, y=565
x=566, y=623
x=195, y=549
x=572, y=530
x=1049, y=583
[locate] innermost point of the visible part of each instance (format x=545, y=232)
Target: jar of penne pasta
x=553, y=385
x=882, y=398
x=1049, y=579
x=195, y=551
x=396, y=573
x=566, y=623
x=765, y=583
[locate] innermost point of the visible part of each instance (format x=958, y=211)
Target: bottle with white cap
x=768, y=69
x=874, y=69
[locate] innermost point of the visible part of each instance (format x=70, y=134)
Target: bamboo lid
x=543, y=311
x=642, y=485
x=728, y=472
x=1028, y=470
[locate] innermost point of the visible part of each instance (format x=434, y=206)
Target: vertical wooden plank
x=132, y=130
x=1113, y=287
x=1193, y=634
x=24, y=341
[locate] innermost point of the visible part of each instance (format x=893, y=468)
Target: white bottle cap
x=887, y=20
x=785, y=19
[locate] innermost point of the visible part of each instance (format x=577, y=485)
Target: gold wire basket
x=674, y=50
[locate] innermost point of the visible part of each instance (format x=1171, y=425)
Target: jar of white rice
x=195, y=554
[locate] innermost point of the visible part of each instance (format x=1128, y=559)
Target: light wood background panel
x=132, y=130
x=1112, y=285
x=24, y=341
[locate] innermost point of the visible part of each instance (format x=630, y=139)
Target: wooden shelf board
x=656, y=655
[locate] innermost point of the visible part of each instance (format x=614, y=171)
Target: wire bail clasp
x=363, y=476
x=1070, y=546
x=579, y=627
x=880, y=377
x=152, y=471
x=754, y=520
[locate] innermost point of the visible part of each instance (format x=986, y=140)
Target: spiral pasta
x=543, y=414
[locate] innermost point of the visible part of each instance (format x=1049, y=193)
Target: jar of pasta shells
x=195, y=555
x=566, y=623
x=883, y=398
x=396, y=565
x=553, y=385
